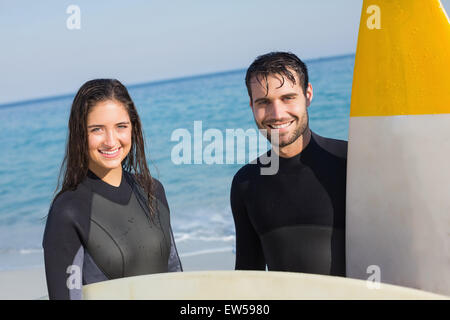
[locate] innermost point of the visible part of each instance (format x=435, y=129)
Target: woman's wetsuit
x=100, y=232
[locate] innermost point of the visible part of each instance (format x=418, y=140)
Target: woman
x=111, y=218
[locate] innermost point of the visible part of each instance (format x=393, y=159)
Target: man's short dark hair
x=277, y=63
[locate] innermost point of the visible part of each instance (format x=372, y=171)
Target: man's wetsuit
x=100, y=232
x=293, y=220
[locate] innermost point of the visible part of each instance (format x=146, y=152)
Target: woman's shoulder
x=157, y=188
x=69, y=204
x=157, y=185
x=68, y=217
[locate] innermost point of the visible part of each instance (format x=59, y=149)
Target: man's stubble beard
x=298, y=132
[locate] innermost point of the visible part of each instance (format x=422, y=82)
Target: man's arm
x=249, y=253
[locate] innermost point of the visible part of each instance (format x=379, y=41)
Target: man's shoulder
x=248, y=171
x=336, y=147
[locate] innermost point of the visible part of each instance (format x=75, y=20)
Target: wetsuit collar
x=120, y=194
x=297, y=161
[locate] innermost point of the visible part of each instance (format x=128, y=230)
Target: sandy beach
x=23, y=284
x=30, y=283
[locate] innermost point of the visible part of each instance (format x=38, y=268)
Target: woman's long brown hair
x=76, y=158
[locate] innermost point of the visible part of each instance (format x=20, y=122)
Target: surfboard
x=245, y=285
x=398, y=179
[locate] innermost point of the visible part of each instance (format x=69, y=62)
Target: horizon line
x=159, y=81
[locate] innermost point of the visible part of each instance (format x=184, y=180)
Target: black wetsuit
x=293, y=220
x=100, y=232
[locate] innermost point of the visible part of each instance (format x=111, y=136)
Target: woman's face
x=109, y=135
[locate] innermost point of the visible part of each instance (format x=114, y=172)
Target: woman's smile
x=113, y=153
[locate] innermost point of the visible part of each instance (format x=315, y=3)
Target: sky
x=140, y=41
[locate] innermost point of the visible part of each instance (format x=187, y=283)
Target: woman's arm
x=174, y=260
x=63, y=248
x=174, y=263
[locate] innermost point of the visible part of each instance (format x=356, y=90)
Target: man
x=293, y=220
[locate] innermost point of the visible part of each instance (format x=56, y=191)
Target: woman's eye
x=95, y=129
x=123, y=127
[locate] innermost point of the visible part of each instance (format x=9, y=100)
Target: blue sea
x=34, y=136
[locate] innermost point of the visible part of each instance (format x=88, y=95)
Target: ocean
x=34, y=136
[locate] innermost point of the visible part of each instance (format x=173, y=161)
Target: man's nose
x=276, y=110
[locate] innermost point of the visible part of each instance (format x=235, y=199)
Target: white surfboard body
x=245, y=285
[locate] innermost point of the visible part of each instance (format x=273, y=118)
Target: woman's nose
x=110, y=138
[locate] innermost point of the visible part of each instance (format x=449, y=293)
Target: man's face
x=281, y=107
